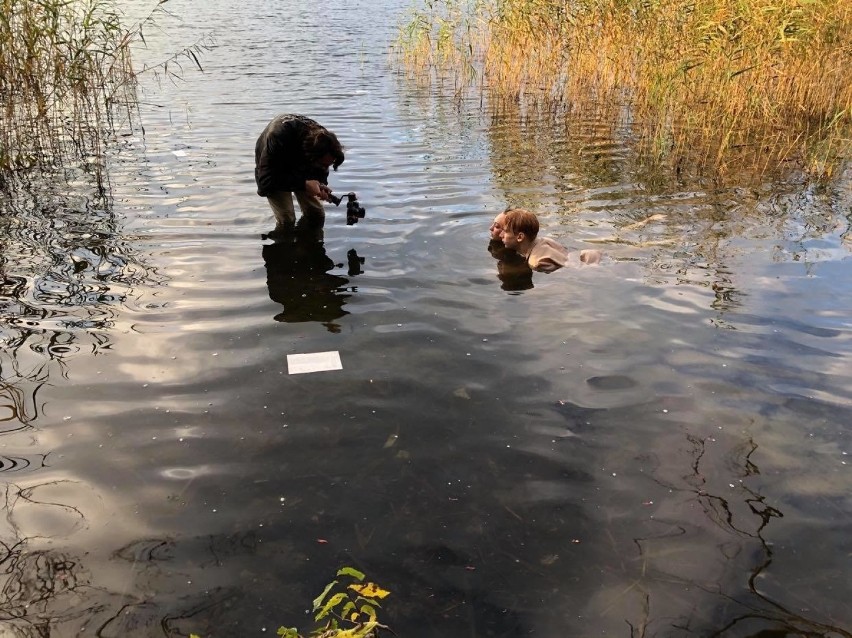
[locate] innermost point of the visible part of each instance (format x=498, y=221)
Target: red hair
x=520, y=220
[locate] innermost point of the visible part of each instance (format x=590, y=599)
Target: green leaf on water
x=318, y=600
x=332, y=602
x=348, y=607
x=369, y=611
x=351, y=571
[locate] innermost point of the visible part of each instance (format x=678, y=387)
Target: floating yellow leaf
x=370, y=590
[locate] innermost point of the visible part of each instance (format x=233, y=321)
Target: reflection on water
x=64, y=269
x=512, y=270
x=298, y=274
x=742, y=517
x=657, y=447
x=42, y=586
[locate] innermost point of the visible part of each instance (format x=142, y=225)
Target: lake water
x=655, y=446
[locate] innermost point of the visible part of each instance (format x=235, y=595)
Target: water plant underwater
x=68, y=83
x=715, y=84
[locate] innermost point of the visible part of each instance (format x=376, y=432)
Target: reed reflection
x=43, y=587
x=733, y=525
x=65, y=266
x=299, y=277
x=569, y=154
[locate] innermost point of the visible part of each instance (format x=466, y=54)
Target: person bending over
x=292, y=157
x=520, y=233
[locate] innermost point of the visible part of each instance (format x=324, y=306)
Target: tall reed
x=713, y=81
x=66, y=74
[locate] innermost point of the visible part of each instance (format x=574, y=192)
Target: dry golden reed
x=61, y=64
x=759, y=82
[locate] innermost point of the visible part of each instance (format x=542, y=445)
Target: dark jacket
x=280, y=163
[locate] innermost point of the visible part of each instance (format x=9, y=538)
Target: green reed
x=720, y=83
x=67, y=80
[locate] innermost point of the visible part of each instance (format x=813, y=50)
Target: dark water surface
x=656, y=446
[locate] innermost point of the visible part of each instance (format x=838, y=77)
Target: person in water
x=520, y=234
x=497, y=226
x=292, y=157
x=512, y=269
x=495, y=245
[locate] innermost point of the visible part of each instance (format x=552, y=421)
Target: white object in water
x=314, y=362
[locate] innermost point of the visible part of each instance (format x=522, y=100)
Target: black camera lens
x=354, y=210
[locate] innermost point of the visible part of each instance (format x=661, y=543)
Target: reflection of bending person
x=298, y=277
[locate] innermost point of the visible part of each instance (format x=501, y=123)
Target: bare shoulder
x=590, y=256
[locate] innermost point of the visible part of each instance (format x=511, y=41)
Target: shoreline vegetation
x=713, y=86
x=68, y=83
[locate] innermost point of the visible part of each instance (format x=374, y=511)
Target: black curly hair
x=320, y=142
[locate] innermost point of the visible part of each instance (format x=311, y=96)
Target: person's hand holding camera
x=318, y=189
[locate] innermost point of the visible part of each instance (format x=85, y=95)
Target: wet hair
x=520, y=220
x=320, y=142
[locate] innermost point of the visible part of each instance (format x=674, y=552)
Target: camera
x=354, y=210
x=355, y=262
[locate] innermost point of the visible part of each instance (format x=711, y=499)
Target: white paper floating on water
x=179, y=153
x=314, y=362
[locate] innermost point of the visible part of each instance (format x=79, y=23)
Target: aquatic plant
x=347, y=605
x=709, y=82
x=67, y=80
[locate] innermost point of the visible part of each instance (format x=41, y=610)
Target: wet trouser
x=285, y=213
